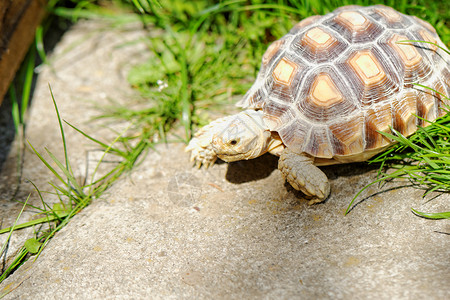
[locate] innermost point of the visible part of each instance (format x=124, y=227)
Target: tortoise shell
x=333, y=81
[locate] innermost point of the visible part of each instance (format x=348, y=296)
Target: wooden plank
x=18, y=22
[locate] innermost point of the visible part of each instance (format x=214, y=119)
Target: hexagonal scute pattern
x=355, y=27
x=404, y=108
x=318, y=45
x=348, y=136
x=300, y=26
x=370, y=75
x=278, y=115
x=326, y=97
x=331, y=84
x=426, y=107
x=407, y=57
x=287, y=76
x=389, y=17
x=367, y=67
x=318, y=143
x=377, y=118
x=440, y=91
x=446, y=78
x=324, y=92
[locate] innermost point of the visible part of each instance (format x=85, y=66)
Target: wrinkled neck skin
x=275, y=146
x=244, y=136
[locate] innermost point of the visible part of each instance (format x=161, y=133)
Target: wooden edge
x=19, y=43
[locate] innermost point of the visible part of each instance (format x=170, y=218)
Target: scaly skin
x=200, y=145
x=236, y=137
x=299, y=171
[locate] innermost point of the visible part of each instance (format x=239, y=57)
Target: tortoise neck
x=275, y=145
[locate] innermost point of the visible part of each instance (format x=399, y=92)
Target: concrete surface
x=169, y=231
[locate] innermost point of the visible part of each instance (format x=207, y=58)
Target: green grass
x=203, y=56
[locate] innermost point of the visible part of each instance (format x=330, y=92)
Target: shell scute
x=326, y=97
x=254, y=98
x=355, y=27
x=439, y=94
x=324, y=92
x=277, y=114
x=284, y=71
x=406, y=57
x=295, y=133
x=348, y=136
x=404, y=109
x=318, y=45
x=304, y=23
x=389, y=17
x=425, y=35
x=446, y=77
x=318, y=142
x=425, y=24
x=426, y=107
x=286, y=78
x=377, y=118
x=272, y=51
x=368, y=71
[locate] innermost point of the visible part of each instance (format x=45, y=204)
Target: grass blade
x=425, y=42
x=47, y=219
x=70, y=178
x=433, y=216
x=103, y=145
x=29, y=72
x=60, y=128
x=11, y=229
x=47, y=164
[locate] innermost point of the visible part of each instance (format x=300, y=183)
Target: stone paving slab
x=170, y=231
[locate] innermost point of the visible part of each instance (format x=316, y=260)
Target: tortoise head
x=242, y=136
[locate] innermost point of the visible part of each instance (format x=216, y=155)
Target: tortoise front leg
x=303, y=175
x=202, y=152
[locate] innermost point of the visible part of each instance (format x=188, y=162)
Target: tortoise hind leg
x=303, y=175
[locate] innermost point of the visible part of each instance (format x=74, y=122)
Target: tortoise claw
x=201, y=154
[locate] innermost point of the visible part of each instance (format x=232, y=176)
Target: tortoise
x=326, y=90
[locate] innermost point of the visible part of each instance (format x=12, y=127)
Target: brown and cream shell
x=333, y=81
